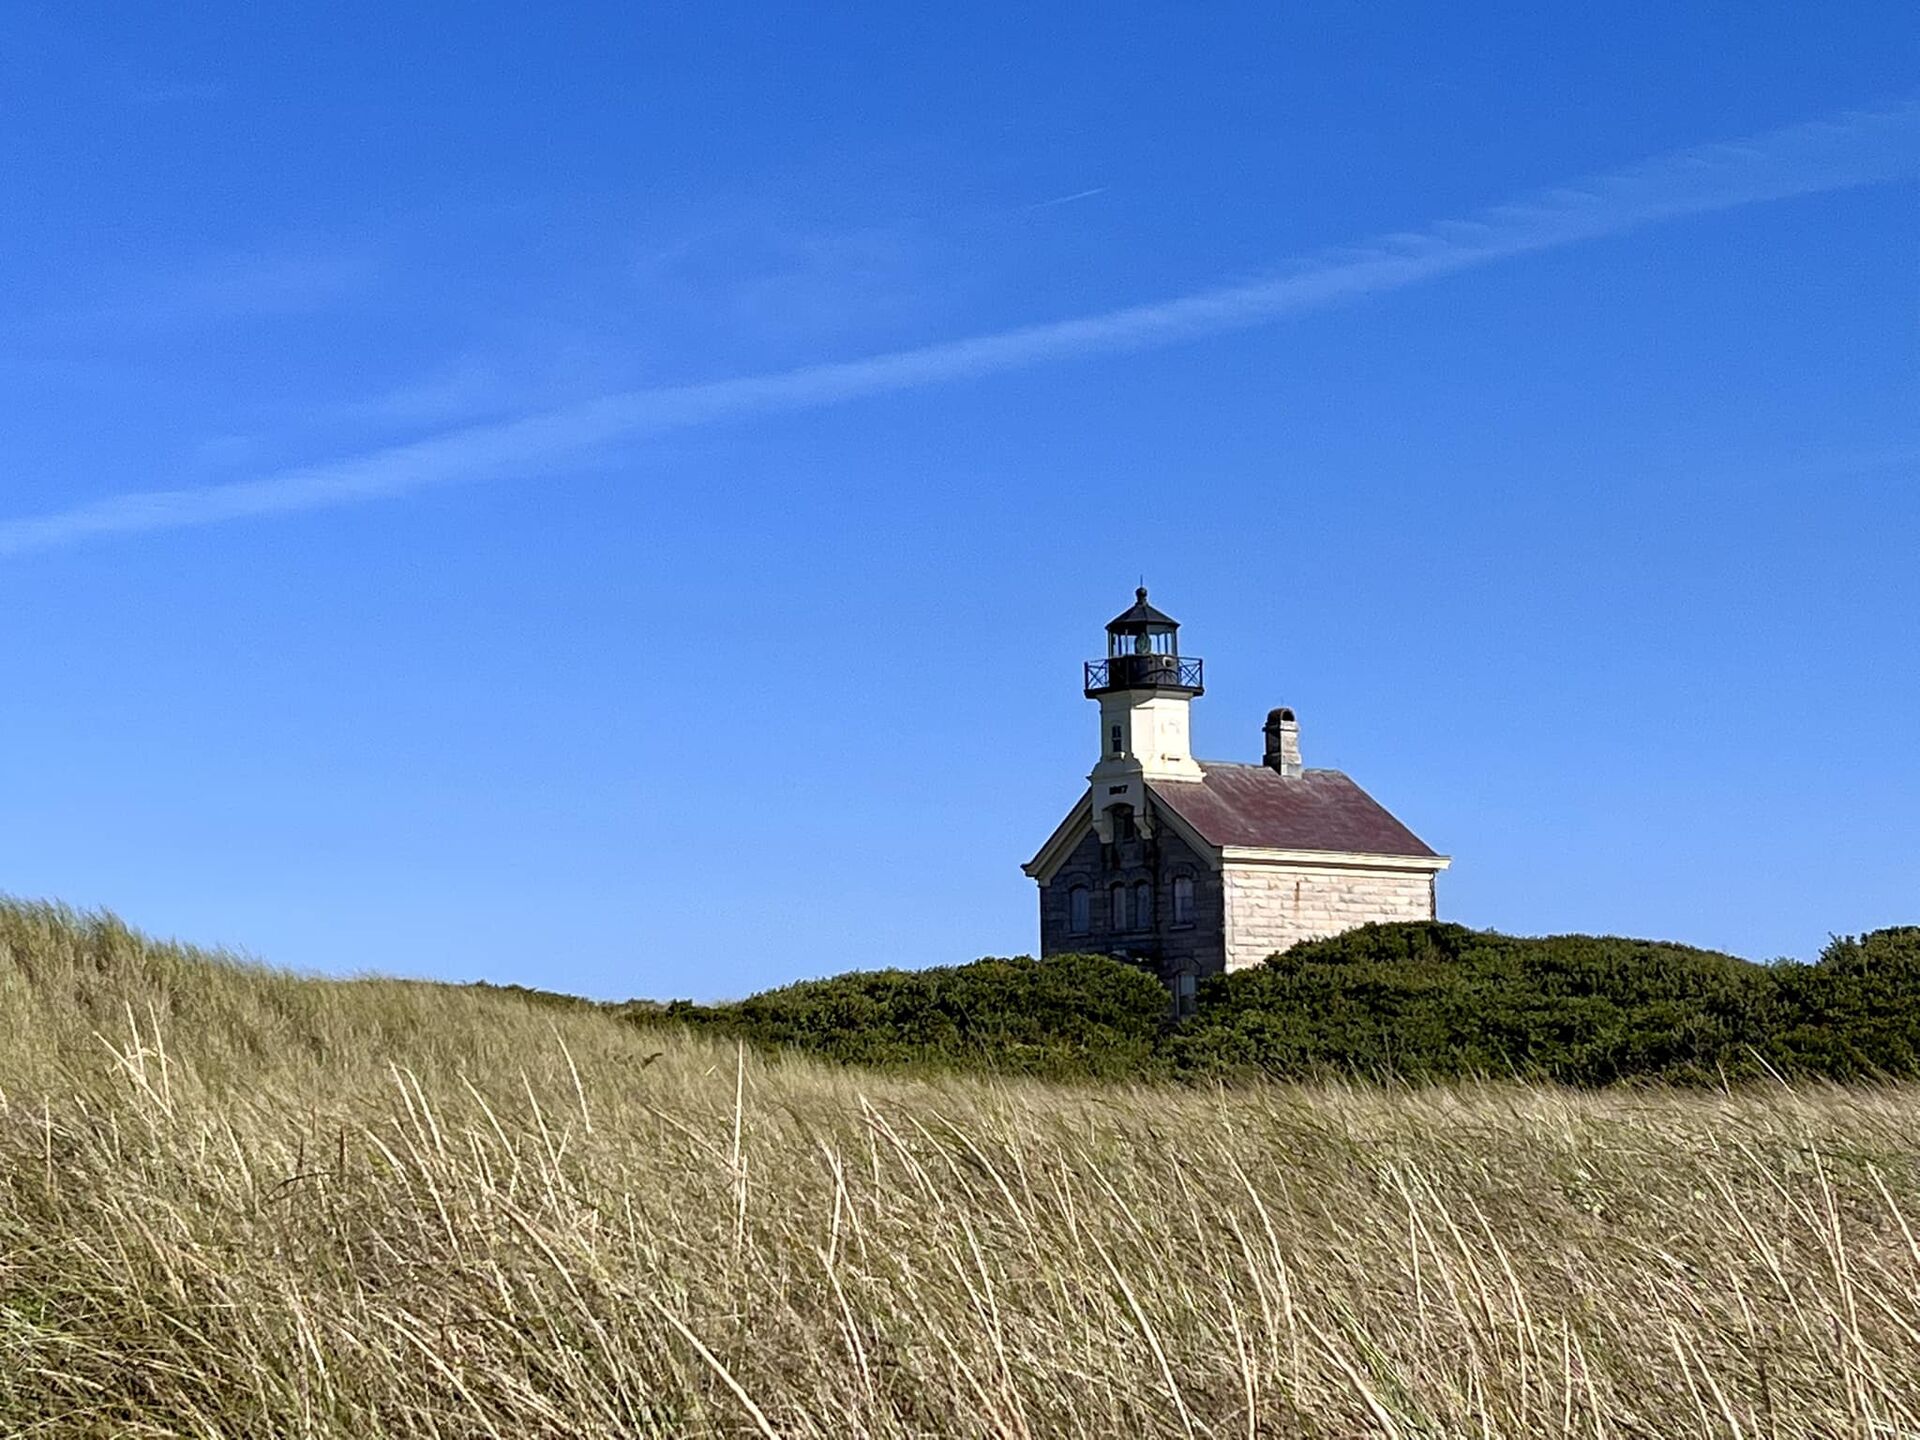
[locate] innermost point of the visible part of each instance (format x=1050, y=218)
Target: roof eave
x=1332, y=859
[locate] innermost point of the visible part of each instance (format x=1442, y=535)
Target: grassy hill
x=237, y=1203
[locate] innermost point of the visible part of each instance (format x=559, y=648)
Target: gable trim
x=1070, y=831
x=1045, y=865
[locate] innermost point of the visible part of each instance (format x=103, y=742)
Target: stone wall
x=1269, y=907
x=1197, y=948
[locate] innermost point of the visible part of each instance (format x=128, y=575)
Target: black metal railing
x=1144, y=672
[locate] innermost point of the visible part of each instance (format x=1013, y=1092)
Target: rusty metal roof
x=1253, y=806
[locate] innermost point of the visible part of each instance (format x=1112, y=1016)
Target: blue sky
x=615, y=498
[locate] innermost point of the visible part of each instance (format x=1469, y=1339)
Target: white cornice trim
x=1332, y=859
x=1044, y=866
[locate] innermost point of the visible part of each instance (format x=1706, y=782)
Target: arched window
x=1183, y=900
x=1142, y=906
x=1185, y=987
x=1117, y=907
x=1079, y=910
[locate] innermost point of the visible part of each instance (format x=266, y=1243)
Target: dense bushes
x=1068, y=1015
x=1856, y=1014
x=1418, y=1001
x=1432, y=1000
x=1428, y=1001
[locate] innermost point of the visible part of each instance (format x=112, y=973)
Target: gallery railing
x=1144, y=672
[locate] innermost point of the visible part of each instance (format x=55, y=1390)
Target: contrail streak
x=1858, y=148
x=1067, y=199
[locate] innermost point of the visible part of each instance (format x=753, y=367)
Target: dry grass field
x=239, y=1204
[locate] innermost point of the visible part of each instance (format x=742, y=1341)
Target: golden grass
x=239, y=1204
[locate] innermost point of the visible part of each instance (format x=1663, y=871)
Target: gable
x=1078, y=825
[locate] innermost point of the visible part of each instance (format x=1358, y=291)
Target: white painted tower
x=1145, y=688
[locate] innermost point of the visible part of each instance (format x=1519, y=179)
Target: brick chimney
x=1283, y=742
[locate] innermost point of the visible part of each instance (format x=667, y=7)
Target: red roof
x=1254, y=806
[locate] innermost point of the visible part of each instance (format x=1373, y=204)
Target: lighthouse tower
x=1145, y=687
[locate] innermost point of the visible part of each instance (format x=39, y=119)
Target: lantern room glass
x=1154, y=642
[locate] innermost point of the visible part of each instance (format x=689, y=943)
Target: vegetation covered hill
x=235, y=1203
x=1413, y=1001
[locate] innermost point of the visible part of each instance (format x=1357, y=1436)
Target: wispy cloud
x=1067, y=199
x=1854, y=149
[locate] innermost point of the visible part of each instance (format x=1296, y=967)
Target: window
x=1118, y=748
x=1079, y=910
x=1142, y=906
x=1121, y=819
x=1183, y=900
x=1184, y=986
x=1117, y=907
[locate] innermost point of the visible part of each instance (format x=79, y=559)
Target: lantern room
x=1143, y=653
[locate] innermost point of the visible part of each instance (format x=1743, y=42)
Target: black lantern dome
x=1143, y=653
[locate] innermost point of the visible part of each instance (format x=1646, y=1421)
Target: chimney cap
x=1283, y=742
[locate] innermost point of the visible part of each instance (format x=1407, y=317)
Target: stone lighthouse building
x=1196, y=866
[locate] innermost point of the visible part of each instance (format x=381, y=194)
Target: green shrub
x=1422, y=1001
x=1068, y=1016
x=1855, y=1013
x=1429, y=1001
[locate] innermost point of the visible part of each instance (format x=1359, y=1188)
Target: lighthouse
x=1190, y=867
